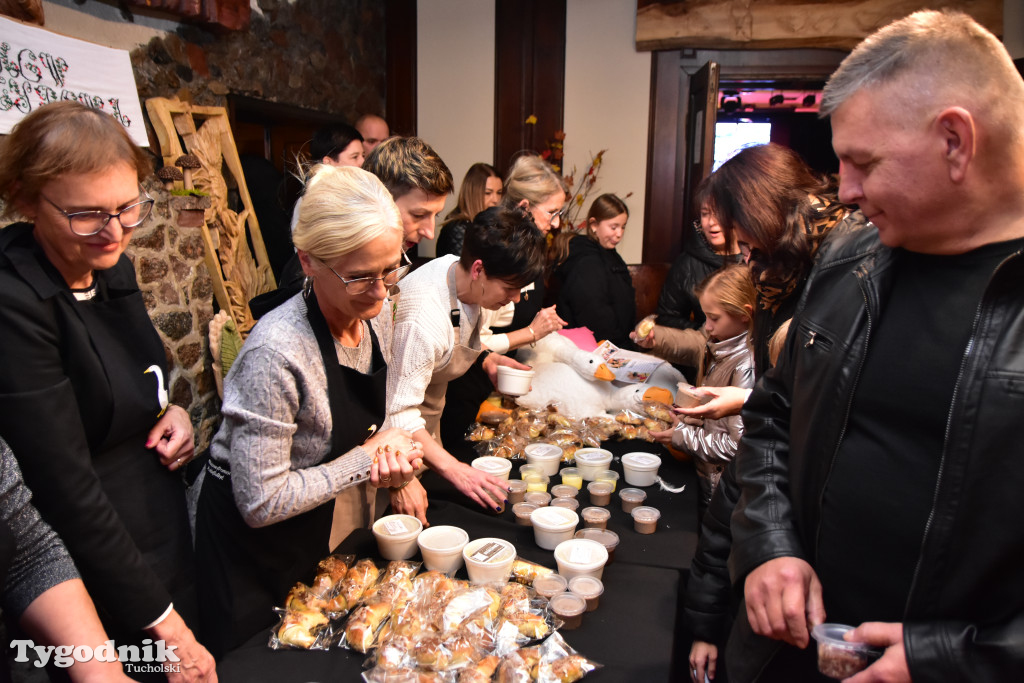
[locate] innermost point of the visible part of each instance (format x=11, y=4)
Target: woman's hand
x=644, y=343
x=172, y=438
x=663, y=437
x=411, y=500
x=703, y=658
x=493, y=360
x=545, y=322
x=196, y=663
x=726, y=401
x=396, y=457
x=486, y=490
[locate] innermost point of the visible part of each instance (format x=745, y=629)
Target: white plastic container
x=396, y=536
x=552, y=525
x=499, y=467
x=580, y=557
x=514, y=382
x=546, y=456
x=640, y=469
x=441, y=547
x=590, y=461
x=489, y=560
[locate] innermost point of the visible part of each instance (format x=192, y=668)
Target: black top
x=451, y=237
x=678, y=306
x=881, y=489
x=597, y=291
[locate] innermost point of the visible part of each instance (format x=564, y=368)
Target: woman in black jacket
x=597, y=291
x=481, y=189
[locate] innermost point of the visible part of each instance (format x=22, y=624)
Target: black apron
x=255, y=567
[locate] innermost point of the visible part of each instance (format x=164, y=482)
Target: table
x=633, y=633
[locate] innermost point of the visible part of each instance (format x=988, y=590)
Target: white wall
x=455, y=89
x=607, y=96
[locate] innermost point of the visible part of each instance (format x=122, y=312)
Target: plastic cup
x=568, y=607
x=838, y=658
x=396, y=536
x=606, y=537
x=571, y=477
x=514, y=382
x=441, y=547
x=551, y=585
x=645, y=519
x=538, y=498
x=522, y=512
x=580, y=557
x=499, y=467
x=590, y=588
x=536, y=481
x=547, y=456
x=595, y=517
x=567, y=503
x=640, y=469
x=516, y=490
x=610, y=476
x=552, y=525
x=489, y=560
x=590, y=461
x=564, y=491
x=631, y=498
x=527, y=468
x=600, y=492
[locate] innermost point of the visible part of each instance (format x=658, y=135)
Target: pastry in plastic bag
x=364, y=623
x=357, y=580
x=301, y=627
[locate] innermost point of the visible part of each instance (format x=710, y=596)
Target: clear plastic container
x=590, y=588
x=568, y=607
x=631, y=498
x=536, y=481
x=516, y=490
x=600, y=492
x=551, y=526
x=645, y=519
x=564, y=491
x=522, y=511
x=538, y=498
x=606, y=537
x=838, y=658
x=610, y=476
x=580, y=557
x=571, y=477
x=590, y=461
x=595, y=517
x=551, y=585
x=527, y=468
x=396, y=536
x=567, y=503
x=547, y=456
x=640, y=469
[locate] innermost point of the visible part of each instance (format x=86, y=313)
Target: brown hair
x=604, y=208
x=407, y=164
x=731, y=288
x=778, y=339
x=471, y=194
x=767, y=191
x=59, y=139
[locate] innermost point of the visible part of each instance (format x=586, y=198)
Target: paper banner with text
x=38, y=66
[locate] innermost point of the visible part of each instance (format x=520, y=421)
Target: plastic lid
x=646, y=514
x=596, y=514
x=632, y=495
x=514, y=372
x=641, y=461
x=600, y=487
x=516, y=485
x=564, y=491
x=397, y=525
x=538, y=498
x=524, y=469
x=543, y=451
x=492, y=465
x=489, y=551
x=582, y=553
x=524, y=509
x=606, y=537
x=567, y=503
x=568, y=471
x=443, y=538
x=551, y=584
x=607, y=475
x=586, y=586
x=554, y=519
x=595, y=455
x=567, y=604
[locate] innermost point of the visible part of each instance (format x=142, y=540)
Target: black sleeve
x=678, y=306
x=585, y=299
x=40, y=420
x=450, y=238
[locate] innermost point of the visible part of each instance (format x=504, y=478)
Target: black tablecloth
x=633, y=633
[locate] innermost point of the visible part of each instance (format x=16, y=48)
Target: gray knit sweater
x=277, y=425
x=40, y=560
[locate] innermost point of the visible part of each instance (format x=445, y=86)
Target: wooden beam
x=766, y=24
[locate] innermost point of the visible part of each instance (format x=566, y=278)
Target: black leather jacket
x=964, y=615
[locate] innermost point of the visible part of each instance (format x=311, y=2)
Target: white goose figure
x=161, y=391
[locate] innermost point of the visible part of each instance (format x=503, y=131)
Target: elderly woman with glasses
x=299, y=447
x=82, y=399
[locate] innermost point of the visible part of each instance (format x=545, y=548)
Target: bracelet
x=532, y=333
x=399, y=488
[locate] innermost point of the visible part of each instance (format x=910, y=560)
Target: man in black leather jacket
x=882, y=484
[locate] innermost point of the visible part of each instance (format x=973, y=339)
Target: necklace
x=357, y=357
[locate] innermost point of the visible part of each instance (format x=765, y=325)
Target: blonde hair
x=731, y=288
x=778, y=339
x=343, y=208
x=531, y=178
x=58, y=139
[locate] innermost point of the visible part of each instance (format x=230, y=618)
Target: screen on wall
x=732, y=136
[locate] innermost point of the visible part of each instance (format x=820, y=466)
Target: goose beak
x=603, y=373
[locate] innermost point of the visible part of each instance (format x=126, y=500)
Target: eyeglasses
x=361, y=285
x=88, y=223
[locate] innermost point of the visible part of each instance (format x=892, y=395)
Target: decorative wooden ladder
x=238, y=272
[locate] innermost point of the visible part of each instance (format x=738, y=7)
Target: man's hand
x=196, y=663
x=172, y=438
x=892, y=666
x=411, y=500
x=783, y=599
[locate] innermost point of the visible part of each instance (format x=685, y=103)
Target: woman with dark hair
x=437, y=338
x=481, y=189
x=597, y=291
x=83, y=399
x=337, y=145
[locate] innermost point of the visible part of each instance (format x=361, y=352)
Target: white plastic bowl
x=499, y=467
x=552, y=525
x=640, y=469
x=514, y=382
x=489, y=560
x=396, y=536
x=441, y=547
x=547, y=456
x=581, y=557
x=590, y=461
